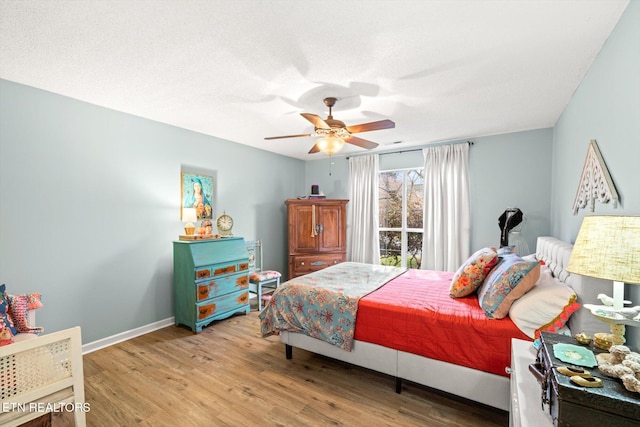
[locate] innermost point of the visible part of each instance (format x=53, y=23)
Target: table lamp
x=189, y=216
x=608, y=247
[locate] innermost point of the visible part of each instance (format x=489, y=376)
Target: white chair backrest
x=255, y=255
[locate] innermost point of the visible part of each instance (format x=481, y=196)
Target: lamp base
x=617, y=334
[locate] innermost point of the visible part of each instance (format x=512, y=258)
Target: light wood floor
x=229, y=376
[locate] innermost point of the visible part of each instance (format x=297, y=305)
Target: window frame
x=404, y=229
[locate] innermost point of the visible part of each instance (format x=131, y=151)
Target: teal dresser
x=210, y=280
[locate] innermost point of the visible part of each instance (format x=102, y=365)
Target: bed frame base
x=288, y=351
x=482, y=387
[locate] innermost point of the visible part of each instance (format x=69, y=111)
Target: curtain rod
x=405, y=151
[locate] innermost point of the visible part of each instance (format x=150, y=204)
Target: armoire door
x=331, y=221
x=301, y=230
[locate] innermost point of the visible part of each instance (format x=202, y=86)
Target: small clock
x=225, y=224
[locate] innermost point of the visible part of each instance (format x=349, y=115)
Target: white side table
x=526, y=395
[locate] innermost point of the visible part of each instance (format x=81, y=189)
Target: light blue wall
x=606, y=107
x=510, y=170
x=331, y=174
x=89, y=206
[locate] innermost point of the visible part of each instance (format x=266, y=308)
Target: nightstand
x=526, y=394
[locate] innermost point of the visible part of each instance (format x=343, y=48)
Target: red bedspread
x=414, y=313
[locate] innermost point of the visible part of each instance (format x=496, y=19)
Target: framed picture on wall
x=196, y=191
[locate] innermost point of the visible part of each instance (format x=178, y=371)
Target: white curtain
x=445, y=245
x=364, y=245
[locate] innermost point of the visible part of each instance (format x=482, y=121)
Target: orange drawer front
x=223, y=304
x=205, y=311
x=221, y=286
x=203, y=274
x=224, y=270
x=208, y=271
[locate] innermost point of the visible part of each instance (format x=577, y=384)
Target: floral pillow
x=472, y=272
x=7, y=330
x=509, y=280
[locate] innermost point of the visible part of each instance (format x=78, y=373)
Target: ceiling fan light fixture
x=333, y=132
x=330, y=145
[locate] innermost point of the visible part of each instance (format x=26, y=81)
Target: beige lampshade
x=330, y=145
x=189, y=215
x=608, y=247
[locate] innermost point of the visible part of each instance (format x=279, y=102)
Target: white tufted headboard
x=556, y=253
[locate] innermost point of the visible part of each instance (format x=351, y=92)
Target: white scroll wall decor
x=595, y=181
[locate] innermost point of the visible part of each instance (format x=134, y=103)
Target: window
x=401, y=209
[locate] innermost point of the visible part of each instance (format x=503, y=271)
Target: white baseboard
x=127, y=335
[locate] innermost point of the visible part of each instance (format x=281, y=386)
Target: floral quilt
x=323, y=304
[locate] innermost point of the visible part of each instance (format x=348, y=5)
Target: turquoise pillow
x=4, y=311
x=509, y=280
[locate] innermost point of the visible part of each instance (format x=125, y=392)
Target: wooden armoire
x=317, y=234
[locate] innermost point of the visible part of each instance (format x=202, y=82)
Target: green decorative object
x=575, y=355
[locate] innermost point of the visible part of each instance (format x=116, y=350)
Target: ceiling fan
x=335, y=133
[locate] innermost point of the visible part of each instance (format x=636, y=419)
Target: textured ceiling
x=243, y=70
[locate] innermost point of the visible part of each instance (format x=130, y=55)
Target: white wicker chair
x=41, y=375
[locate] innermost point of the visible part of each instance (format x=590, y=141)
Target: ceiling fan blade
x=288, y=136
x=361, y=142
x=314, y=149
x=316, y=120
x=366, y=127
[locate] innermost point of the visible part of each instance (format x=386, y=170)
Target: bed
x=417, y=345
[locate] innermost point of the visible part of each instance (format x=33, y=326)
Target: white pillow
x=546, y=307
